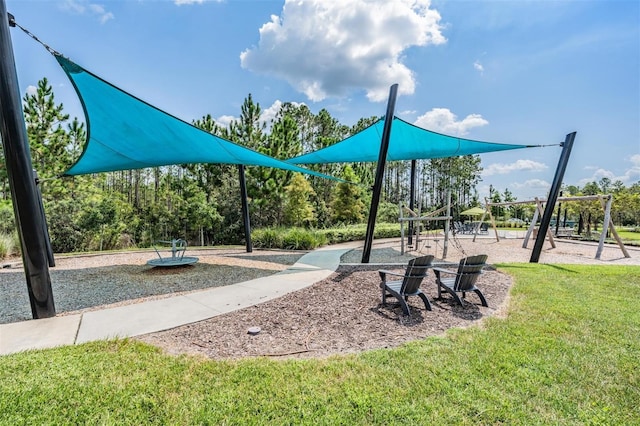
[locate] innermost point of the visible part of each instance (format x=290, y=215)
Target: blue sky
x=502, y=71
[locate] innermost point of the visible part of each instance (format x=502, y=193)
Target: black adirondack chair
x=463, y=280
x=408, y=285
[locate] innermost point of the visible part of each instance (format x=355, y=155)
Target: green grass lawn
x=629, y=235
x=568, y=352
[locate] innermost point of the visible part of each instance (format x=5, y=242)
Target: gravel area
x=88, y=282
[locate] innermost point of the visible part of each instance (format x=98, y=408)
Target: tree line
x=201, y=202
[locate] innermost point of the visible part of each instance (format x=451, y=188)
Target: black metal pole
x=412, y=196
x=26, y=208
x=245, y=208
x=377, y=186
x=558, y=215
x=553, y=196
x=47, y=236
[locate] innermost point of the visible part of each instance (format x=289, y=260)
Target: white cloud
x=532, y=184
x=478, y=66
x=444, y=121
x=330, y=48
x=517, y=166
x=31, y=90
x=630, y=175
x=82, y=7
x=270, y=113
x=188, y=2
x=225, y=120
x=634, y=171
x=267, y=115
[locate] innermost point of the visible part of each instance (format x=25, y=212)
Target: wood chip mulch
x=339, y=315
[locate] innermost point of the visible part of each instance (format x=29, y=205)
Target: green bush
x=305, y=239
x=267, y=238
x=301, y=239
x=358, y=232
x=287, y=238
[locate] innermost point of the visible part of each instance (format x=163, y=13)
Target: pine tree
x=47, y=139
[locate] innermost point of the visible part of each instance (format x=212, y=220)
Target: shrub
x=288, y=238
x=303, y=239
x=267, y=238
x=358, y=232
x=300, y=239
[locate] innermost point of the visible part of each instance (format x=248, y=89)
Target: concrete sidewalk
x=163, y=314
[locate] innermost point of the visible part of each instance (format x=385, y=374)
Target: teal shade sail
x=124, y=132
x=407, y=142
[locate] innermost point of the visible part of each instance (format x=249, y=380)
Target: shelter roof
x=407, y=142
x=124, y=132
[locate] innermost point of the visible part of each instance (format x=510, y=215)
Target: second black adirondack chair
x=464, y=279
x=408, y=285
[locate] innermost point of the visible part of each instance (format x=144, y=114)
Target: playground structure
x=416, y=218
x=178, y=248
x=605, y=201
x=415, y=230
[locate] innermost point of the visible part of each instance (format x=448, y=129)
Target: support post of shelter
x=377, y=186
x=553, y=196
x=26, y=208
x=47, y=236
x=245, y=208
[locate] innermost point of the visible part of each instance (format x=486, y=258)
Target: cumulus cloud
x=533, y=184
x=31, y=90
x=82, y=7
x=330, y=48
x=478, y=66
x=634, y=171
x=188, y=2
x=225, y=120
x=444, y=121
x=630, y=175
x=266, y=116
x=269, y=114
x=517, y=166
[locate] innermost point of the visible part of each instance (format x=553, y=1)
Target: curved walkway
x=157, y=315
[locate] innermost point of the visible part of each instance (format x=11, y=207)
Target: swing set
x=605, y=202
x=417, y=218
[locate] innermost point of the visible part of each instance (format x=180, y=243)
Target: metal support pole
x=377, y=186
x=558, y=215
x=245, y=208
x=47, y=236
x=26, y=207
x=553, y=196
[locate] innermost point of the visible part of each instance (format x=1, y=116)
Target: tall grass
x=8, y=246
x=567, y=353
